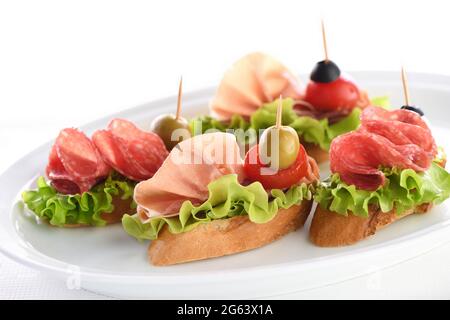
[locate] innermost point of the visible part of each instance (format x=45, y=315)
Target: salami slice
x=357, y=157
x=75, y=165
x=149, y=156
x=55, y=169
x=103, y=169
x=137, y=154
x=396, y=138
x=124, y=146
x=399, y=126
x=77, y=154
x=114, y=156
x=400, y=115
x=146, y=147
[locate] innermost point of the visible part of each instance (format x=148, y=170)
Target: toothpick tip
x=324, y=40
x=180, y=92
x=279, y=111
x=405, y=86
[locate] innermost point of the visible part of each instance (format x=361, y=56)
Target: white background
x=64, y=63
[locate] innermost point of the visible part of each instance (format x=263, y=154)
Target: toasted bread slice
x=121, y=207
x=329, y=229
x=225, y=236
x=314, y=151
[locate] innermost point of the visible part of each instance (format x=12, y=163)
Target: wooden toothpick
x=279, y=112
x=180, y=92
x=405, y=87
x=324, y=39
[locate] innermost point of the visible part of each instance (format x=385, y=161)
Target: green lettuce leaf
x=237, y=126
x=227, y=198
x=86, y=208
x=311, y=130
x=201, y=124
x=382, y=102
x=404, y=189
x=318, y=132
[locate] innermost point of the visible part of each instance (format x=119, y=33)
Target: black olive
x=414, y=109
x=325, y=71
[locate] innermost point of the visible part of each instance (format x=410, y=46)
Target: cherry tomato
x=340, y=94
x=271, y=179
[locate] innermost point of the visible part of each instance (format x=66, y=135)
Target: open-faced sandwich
x=206, y=202
x=388, y=168
x=91, y=181
x=328, y=107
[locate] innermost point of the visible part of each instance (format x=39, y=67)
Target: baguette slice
x=226, y=236
x=329, y=229
x=121, y=207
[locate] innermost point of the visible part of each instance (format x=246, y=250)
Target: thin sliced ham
x=186, y=173
x=252, y=81
x=398, y=138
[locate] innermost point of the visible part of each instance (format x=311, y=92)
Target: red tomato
x=270, y=179
x=341, y=94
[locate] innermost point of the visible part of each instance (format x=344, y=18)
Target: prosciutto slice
x=75, y=165
x=252, y=81
x=186, y=173
x=398, y=138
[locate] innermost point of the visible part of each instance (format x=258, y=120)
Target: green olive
x=279, y=147
x=165, y=127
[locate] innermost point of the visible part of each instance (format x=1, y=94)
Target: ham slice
x=398, y=138
x=186, y=173
x=252, y=81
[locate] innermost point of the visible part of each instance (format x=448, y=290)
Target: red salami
x=400, y=115
x=115, y=156
x=77, y=153
x=58, y=175
x=75, y=165
x=134, y=153
x=398, y=138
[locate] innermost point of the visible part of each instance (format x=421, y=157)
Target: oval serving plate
x=108, y=261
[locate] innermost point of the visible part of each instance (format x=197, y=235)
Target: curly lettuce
x=382, y=102
x=227, y=198
x=201, y=124
x=311, y=130
x=404, y=189
x=319, y=132
x=86, y=208
x=237, y=126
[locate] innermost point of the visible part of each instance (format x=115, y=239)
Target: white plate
x=108, y=261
